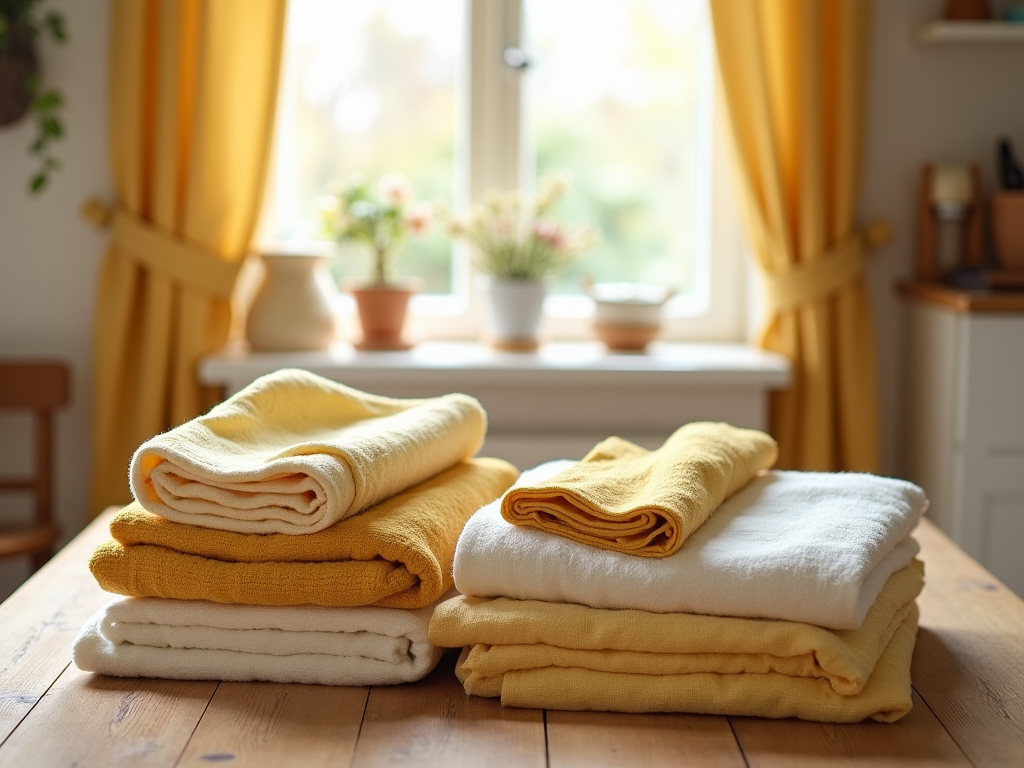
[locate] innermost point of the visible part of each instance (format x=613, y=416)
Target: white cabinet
x=556, y=403
x=964, y=420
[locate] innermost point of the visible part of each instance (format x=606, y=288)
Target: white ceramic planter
x=293, y=309
x=516, y=307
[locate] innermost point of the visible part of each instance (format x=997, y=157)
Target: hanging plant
x=21, y=90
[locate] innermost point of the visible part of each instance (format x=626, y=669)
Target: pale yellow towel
x=624, y=498
x=397, y=554
x=564, y=656
x=887, y=697
x=295, y=453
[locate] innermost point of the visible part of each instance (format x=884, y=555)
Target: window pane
x=371, y=87
x=614, y=96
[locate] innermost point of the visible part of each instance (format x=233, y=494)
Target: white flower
x=396, y=188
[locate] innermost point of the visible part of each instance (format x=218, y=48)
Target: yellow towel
x=397, y=554
x=627, y=499
x=295, y=453
x=562, y=656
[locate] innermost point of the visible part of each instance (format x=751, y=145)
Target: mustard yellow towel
x=397, y=554
x=295, y=453
x=564, y=656
x=624, y=498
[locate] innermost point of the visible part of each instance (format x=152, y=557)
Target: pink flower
x=419, y=218
x=396, y=188
x=549, y=233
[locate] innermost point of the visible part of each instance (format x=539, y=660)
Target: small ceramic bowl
x=626, y=338
x=627, y=316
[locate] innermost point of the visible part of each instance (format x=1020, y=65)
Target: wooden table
x=968, y=704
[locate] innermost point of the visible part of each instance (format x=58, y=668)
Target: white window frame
x=495, y=160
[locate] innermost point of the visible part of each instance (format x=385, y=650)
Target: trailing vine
x=20, y=27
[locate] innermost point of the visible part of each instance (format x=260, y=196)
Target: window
x=463, y=96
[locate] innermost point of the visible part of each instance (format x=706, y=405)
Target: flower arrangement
x=515, y=237
x=381, y=216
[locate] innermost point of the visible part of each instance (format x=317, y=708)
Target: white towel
x=198, y=640
x=294, y=453
x=802, y=546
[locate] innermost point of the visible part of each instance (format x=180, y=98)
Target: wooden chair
x=40, y=387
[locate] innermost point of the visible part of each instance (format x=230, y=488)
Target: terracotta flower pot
x=382, y=310
x=1006, y=210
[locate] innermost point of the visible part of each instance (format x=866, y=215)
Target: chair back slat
x=33, y=385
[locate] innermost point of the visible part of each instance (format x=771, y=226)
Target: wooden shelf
x=942, y=32
x=960, y=300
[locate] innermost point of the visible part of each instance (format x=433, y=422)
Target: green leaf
x=48, y=100
x=52, y=127
x=53, y=22
x=38, y=183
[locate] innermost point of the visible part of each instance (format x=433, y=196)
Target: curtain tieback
x=790, y=288
x=164, y=253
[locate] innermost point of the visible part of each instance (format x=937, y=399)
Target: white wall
x=926, y=104
x=49, y=255
x=945, y=103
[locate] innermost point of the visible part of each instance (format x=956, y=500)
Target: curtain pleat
x=193, y=88
x=793, y=73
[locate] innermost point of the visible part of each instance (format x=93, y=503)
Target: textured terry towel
x=624, y=498
x=196, y=640
x=295, y=453
x=397, y=554
x=801, y=546
x=563, y=656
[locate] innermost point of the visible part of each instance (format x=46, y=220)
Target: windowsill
x=557, y=402
x=709, y=364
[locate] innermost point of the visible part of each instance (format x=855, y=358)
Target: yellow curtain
x=793, y=75
x=193, y=87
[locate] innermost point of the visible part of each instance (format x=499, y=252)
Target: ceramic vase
x=516, y=307
x=382, y=311
x=293, y=310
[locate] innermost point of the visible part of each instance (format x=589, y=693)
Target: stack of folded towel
x=302, y=531
x=773, y=594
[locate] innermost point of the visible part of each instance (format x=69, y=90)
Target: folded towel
x=295, y=453
x=397, y=554
x=563, y=656
x=625, y=498
x=196, y=640
x=803, y=546
x=886, y=698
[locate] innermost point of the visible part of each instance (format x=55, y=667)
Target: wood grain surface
x=918, y=739
x=434, y=723
x=39, y=622
x=267, y=724
x=968, y=674
x=969, y=658
x=583, y=739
